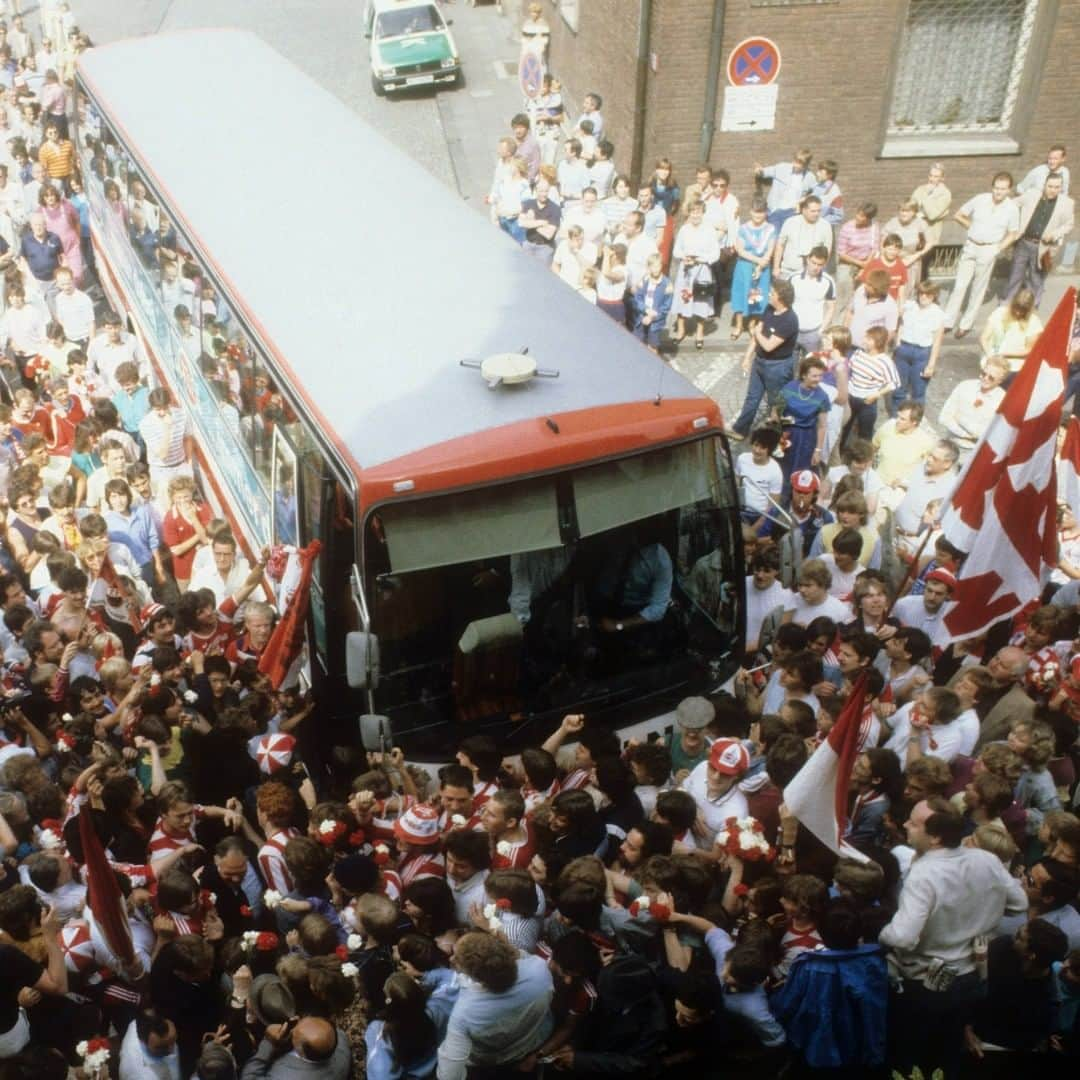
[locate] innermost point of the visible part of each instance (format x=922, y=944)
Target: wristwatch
x=618, y=626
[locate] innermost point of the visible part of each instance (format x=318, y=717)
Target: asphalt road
x=324, y=38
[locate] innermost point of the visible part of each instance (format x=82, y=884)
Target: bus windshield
x=411, y=20
x=589, y=590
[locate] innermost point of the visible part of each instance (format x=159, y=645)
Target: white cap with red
x=274, y=752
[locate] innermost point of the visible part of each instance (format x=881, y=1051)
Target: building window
x=569, y=10
x=788, y=3
x=959, y=72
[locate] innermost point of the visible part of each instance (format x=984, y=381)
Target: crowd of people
x=587, y=906
x=946, y=934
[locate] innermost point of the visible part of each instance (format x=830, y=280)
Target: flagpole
x=908, y=575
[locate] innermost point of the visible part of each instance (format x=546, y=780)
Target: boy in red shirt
x=889, y=260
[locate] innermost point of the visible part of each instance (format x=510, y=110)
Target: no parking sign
x=754, y=62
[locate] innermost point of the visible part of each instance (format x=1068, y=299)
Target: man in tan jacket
x=1046, y=218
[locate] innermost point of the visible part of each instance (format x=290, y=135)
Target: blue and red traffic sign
x=754, y=62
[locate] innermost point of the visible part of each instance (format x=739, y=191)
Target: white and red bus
x=484, y=548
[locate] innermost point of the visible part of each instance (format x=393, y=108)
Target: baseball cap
x=804, y=481
x=418, y=825
x=729, y=756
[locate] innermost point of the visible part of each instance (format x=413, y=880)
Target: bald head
x=314, y=1039
x=1008, y=664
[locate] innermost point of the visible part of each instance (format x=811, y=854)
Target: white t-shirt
x=804, y=612
x=571, y=263
x=843, y=584
x=943, y=741
x=757, y=480
x=871, y=481
x=714, y=811
x=759, y=603
x=911, y=611
x=921, y=324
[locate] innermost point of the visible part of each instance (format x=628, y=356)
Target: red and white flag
x=280, y=658
x=818, y=795
x=1068, y=475
x=1003, y=510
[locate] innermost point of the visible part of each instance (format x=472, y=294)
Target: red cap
x=805, y=481
x=729, y=756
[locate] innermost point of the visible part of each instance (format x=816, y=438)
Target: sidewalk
x=475, y=116
x=717, y=369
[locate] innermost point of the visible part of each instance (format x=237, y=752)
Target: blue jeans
x=767, y=378
x=910, y=361
x=510, y=226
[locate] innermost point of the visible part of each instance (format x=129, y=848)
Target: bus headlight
x=450, y=62
x=385, y=72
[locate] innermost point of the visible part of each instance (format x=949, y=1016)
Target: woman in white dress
x=696, y=248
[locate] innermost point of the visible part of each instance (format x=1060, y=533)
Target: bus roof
x=390, y=280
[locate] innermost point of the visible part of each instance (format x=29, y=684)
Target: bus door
x=308, y=502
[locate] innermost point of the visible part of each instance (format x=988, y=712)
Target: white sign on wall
x=749, y=108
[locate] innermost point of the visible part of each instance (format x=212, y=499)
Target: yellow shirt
x=899, y=452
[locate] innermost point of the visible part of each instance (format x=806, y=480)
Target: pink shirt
x=858, y=243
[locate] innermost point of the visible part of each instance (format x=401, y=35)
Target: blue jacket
x=663, y=295
x=833, y=1006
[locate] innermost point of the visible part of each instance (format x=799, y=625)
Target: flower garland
x=94, y=1052
x=260, y=941
x=644, y=906
x=330, y=831
x=272, y=899
x=745, y=839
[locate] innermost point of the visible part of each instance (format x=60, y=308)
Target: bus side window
x=258, y=416
x=144, y=220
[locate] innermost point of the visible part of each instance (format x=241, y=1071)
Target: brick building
x=884, y=87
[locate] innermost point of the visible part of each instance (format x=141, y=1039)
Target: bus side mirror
x=362, y=660
x=375, y=733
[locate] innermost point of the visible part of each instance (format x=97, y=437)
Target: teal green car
x=411, y=45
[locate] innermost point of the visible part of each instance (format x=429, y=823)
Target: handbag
x=1046, y=261
x=703, y=285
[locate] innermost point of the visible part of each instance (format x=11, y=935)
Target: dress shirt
x=1036, y=179
x=968, y=410
x=990, y=221
x=921, y=491
x=799, y=237
x=489, y=1029
x=788, y=186
x=950, y=897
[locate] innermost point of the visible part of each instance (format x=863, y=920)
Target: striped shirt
x=163, y=842
x=164, y=437
x=515, y=854
x=414, y=867
x=871, y=374
x=272, y=861
x=482, y=791
x=57, y=159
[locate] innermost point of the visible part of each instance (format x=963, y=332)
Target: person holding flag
x=1002, y=513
